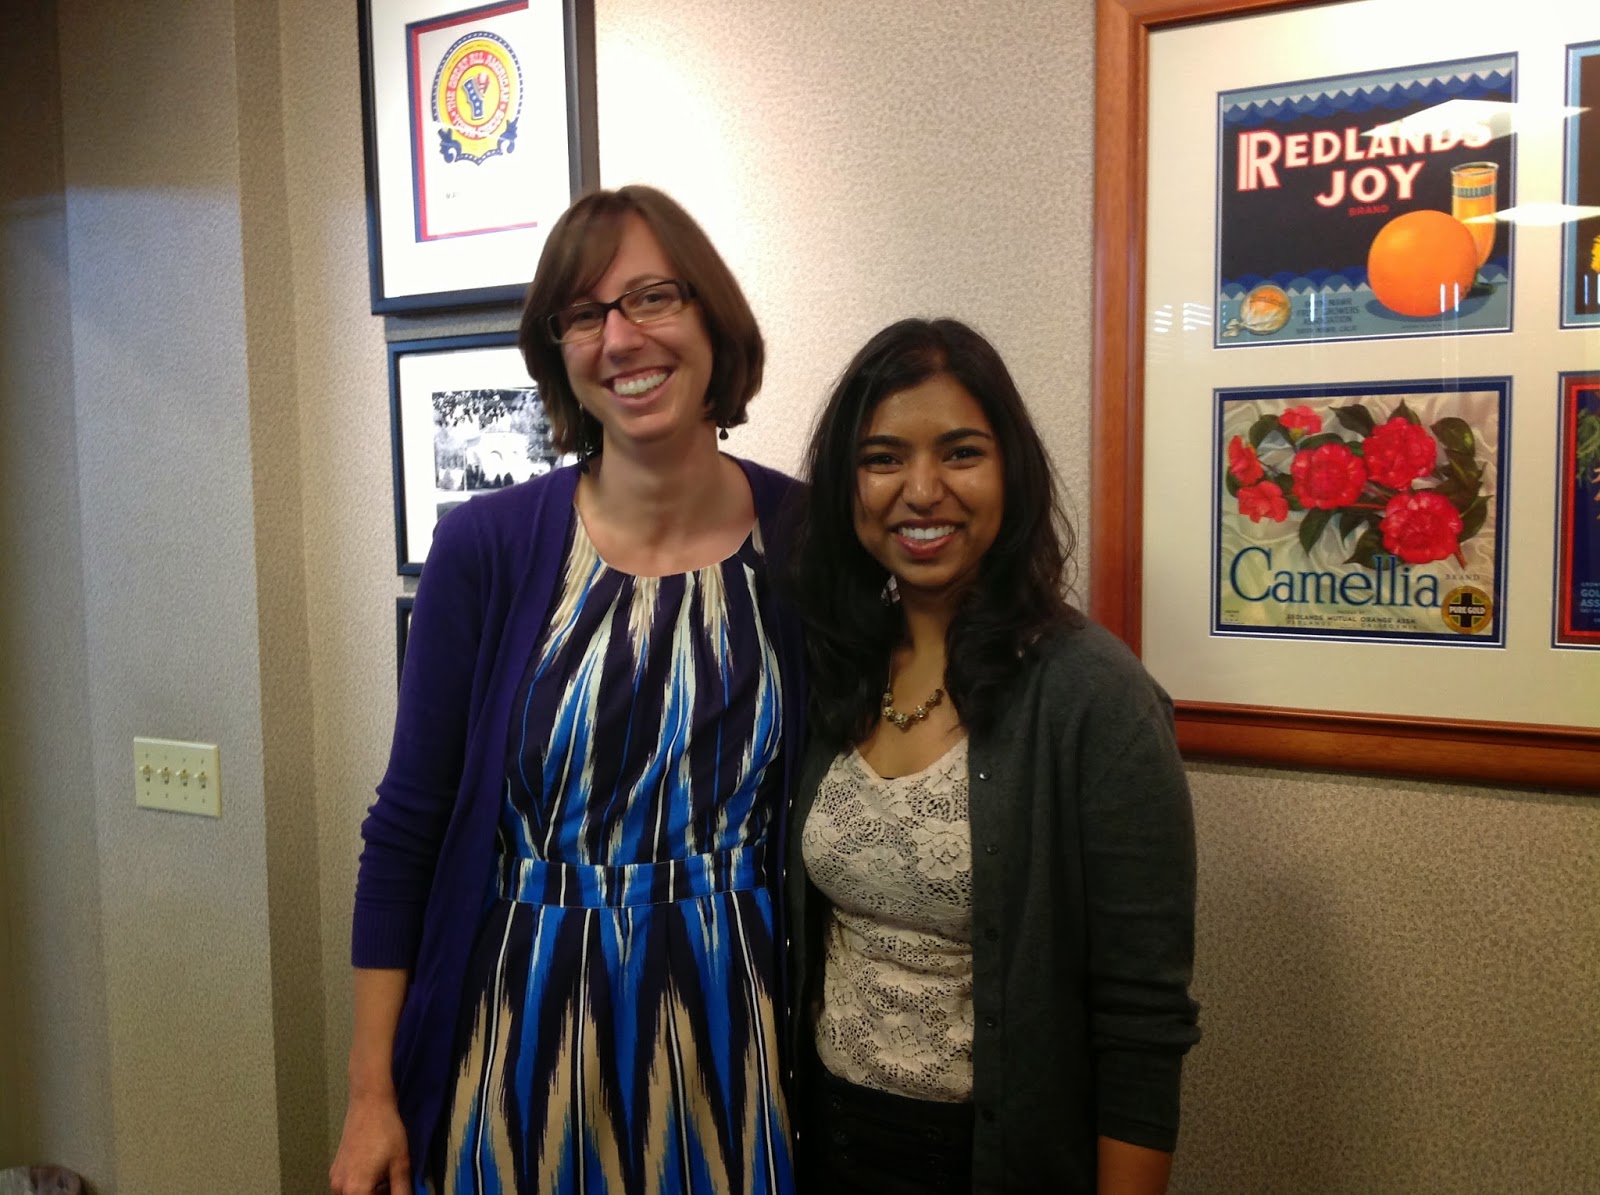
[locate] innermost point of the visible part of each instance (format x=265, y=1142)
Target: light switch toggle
x=178, y=776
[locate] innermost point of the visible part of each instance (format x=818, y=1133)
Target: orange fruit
x=1422, y=263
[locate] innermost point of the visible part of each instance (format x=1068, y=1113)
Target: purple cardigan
x=426, y=870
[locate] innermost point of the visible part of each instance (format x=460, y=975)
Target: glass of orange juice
x=1472, y=201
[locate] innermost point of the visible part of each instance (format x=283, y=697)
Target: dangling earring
x=891, y=591
x=722, y=432
x=587, y=446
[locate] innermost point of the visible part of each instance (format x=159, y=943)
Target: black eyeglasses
x=641, y=305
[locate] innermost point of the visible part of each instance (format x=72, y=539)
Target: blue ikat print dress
x=618, y=1034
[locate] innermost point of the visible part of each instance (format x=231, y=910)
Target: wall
x=1398, y=979
x=161, y=535
x=54, y=1061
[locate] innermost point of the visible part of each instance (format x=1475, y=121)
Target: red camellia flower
x=1242, y=462
x=1301, y=419
x=1421, y=527
x=1399, y=452
x=1264, y=501
x=1328, y=477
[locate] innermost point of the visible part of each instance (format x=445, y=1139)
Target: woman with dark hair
x=990, y=878
x=564, y=932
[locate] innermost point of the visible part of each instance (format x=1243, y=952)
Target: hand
x=372, y=1153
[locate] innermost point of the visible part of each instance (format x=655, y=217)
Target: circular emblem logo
x=477, y=96
x=1466, y=609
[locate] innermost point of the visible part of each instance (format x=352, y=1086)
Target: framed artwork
x=402, y=629
x=1331, y=198
x=1580, y=258
x=479, y=125
x=1577, y=551
x=1335, y=549
x=1361, y=514
x=464, y=418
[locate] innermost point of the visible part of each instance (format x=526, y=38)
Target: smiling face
x=930, y=488
x=645, y=383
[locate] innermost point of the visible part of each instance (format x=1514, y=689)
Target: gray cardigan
x=1082, y=920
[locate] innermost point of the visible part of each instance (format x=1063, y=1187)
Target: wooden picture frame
x=1477, y=750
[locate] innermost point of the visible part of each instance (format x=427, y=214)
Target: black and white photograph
x=466, y=419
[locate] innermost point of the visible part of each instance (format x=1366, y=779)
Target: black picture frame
x=402, y=630
x=464, y=419
x=481, y=268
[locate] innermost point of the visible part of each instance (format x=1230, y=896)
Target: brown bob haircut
x=578, y=251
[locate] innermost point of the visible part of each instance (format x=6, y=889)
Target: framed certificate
x=1336, y=363
x=479, y=128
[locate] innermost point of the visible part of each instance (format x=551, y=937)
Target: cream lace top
x=894, y=858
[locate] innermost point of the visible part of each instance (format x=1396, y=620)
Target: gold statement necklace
x=904, y=722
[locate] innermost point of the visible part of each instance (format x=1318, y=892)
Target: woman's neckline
x=873, y=772
x=751, y=541
x=716, y=551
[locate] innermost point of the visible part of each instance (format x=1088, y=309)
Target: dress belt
x=580, y=885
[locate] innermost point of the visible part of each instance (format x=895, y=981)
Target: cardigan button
x=983, y=774
x=987, y=1114
x=991, y=1021
x=992, y=849
x=990, y=934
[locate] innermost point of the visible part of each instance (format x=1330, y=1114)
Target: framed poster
x=1335, y=550
x=464, y=419
x=1580, y=259
x=1362, y=514
x=479, y=131
x=1332, y=196
x=1577, y=551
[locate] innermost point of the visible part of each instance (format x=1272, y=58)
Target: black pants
x=856, y=1139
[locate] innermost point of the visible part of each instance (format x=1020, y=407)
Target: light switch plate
x=181, y=777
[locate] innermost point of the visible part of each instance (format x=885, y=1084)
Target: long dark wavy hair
x=1020, y=591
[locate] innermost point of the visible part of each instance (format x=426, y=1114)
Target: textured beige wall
x=1399, y=979
x=1400, y=988
x=54, y=1063
x=151, y=102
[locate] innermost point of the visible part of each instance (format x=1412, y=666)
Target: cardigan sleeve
x=405, y=826
x=1137, y=836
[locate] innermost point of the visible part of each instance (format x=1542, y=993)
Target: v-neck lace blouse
x=894, y=858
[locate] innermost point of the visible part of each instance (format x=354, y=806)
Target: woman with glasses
x=564, y=935
x=990, y=873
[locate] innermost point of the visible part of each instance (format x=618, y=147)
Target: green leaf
x=1456, y=435
x=1355, y=417
x=1587, y=446
x=1406, y=413
x=1367, y=550
x=1317, y=441
x=1459, y=491
x=1474, y=517
x=1234, y=485
x=1349, y=520
x=1311, y=528
x=1262, y=428
x=1463, y=466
